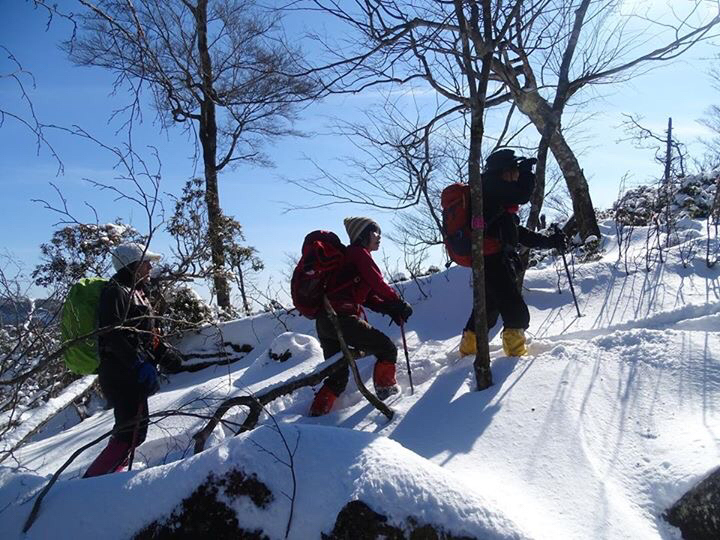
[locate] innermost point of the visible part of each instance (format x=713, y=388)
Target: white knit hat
x=131, y=252
x=356, y=225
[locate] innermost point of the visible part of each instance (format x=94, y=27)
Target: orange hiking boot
x=323, y=402
x=384, y=380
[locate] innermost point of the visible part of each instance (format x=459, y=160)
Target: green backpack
x=80, y=317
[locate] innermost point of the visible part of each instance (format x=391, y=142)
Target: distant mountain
x=14, y=311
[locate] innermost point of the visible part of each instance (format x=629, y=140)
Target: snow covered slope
x=610, y=419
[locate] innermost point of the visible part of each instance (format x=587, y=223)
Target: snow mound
x=331, y=467
x=295, y=347
x=289, y=356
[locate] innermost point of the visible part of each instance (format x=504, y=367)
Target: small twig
x=36, y=507
x=290, y=464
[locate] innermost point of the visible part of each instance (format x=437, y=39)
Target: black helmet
x=501, y=160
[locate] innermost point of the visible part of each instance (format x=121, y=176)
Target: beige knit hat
x=356, y=225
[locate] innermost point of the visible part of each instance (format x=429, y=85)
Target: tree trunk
x=208, y=142
x=536, y=201
x=481, y=365
x=241, y=286
x=577, y=185
x=668, y=152
x=212, y=199
x=536, y=204
x=483, y=374
x=545, y=120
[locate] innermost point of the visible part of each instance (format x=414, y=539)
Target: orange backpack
x=456, y=214
x=457, y=229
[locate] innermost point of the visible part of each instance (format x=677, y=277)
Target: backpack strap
x=356, y=279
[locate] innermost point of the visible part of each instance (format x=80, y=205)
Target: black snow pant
x=502, y=297
x=358, y=334
x=129, y=403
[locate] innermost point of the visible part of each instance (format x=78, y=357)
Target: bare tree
x=399, y=162
x=624, y=227
x=222, y=69
x=17, y=79
x=562, y=46
x=711, y=120
x=27, y=333
x=189, y=227
x=448, y=46
x=653, y=244
x=670, y=153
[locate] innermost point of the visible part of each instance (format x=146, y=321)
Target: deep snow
x=608, y=421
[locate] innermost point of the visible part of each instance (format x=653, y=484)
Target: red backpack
x=456, y=214
x=322, y=254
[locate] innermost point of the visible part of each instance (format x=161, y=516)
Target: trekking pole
x=135, y=436
x=374, y=401
x=567, y=272
x=572, y=289
x=407, y=357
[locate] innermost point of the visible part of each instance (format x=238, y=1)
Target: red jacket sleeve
x=370, y=273
x=377, y=304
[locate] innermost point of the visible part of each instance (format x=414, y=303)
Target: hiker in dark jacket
x=507, y=183
x=128, y=353
x=359, y=283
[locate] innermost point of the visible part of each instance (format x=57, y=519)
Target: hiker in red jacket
x=359, y=283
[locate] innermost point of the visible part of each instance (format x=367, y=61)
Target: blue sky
x=67, y=95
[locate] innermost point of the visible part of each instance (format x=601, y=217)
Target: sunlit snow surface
x=609, y=420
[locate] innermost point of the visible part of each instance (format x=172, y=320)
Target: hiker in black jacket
x=507, y=182
x=128, y=354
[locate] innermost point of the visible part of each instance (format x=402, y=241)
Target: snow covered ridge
x=332, y=466
x=611, y=419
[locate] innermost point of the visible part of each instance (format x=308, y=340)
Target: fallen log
x=256, y=403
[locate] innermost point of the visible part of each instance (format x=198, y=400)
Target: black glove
x=147, y=377
x=399, y=311
x=514, y=263
x=526, y=164
x=557, y=240
x=171, y=360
